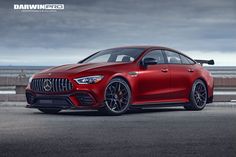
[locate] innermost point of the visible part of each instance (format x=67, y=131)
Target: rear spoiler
x=210, y=62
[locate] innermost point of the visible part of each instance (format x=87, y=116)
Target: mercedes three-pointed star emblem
x=47, y=85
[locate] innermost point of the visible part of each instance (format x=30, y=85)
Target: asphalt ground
x=150, y=132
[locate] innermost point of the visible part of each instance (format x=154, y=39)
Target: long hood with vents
x=77, y=68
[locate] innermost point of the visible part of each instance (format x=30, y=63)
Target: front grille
x=51, y=85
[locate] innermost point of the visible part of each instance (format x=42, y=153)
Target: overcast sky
x=202, y=29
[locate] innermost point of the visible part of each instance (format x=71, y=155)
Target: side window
x=186, y=60
x=173, y=57
x=124, y=58
x=156, y=54
x=190, y=61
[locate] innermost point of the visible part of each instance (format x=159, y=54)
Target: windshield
x=115, y=55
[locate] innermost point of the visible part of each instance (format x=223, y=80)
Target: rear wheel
x=198, y=96
x=117, y=97
x=49, y=111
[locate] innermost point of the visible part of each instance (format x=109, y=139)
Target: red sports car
x=117, y=79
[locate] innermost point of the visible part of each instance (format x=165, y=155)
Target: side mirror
x=149, y=61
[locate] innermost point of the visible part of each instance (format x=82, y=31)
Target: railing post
x=20, y=88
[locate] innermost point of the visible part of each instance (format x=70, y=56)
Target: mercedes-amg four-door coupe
x=117, y=79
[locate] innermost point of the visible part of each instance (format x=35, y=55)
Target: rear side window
x=190, y=61
x=156, y=54
x=186, y=60
x=173, y=57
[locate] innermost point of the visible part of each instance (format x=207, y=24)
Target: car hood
x=77, y=68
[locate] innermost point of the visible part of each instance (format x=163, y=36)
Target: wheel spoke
x=117, y=96
x=200, y=94
x=118, y=89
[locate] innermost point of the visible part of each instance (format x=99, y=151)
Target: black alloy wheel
x=198, y=96
x=117, y=97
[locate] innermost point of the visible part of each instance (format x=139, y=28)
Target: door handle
x=164, y=70
x=190, y=70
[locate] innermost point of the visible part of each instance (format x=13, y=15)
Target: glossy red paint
x=154, y=84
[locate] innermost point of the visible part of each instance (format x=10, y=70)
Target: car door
x=181, y=72
x=154, y=80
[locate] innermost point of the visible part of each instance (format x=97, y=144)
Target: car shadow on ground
x=129, y=112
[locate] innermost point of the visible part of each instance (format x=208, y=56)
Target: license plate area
x=46, y=101
x=53, y=102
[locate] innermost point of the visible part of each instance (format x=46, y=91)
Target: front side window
x=115, y=55
x=156, y=54
x=173, y=57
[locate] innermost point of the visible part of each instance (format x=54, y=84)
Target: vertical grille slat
x=59, y=84
x=56, y=85
x=41, y=85
x=57, y=89
x=37, y=84
x=53, y=84
x=64, y=84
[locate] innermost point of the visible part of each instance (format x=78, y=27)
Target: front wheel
x=117, y=97
x=198, y=96
x=49, y=111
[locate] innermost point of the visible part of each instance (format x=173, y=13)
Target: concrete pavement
x=150, y=132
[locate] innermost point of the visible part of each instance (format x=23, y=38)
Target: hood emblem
x=47, y=85
x=49, y=74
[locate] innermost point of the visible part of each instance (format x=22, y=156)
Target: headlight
x=89, y=79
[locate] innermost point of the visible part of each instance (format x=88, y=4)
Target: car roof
x=147, y=47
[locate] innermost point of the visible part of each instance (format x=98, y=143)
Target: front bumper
x=76, y=100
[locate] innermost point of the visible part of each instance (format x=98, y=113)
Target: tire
x=49, y=111
x=198, y=96
x=117, y=97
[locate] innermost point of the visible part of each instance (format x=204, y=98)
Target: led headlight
x=89, y=79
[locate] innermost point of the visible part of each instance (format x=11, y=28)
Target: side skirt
x=164, y=104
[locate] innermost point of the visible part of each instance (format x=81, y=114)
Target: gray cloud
x=201, y=25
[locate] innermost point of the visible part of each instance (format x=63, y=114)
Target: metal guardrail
x=15, y=71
